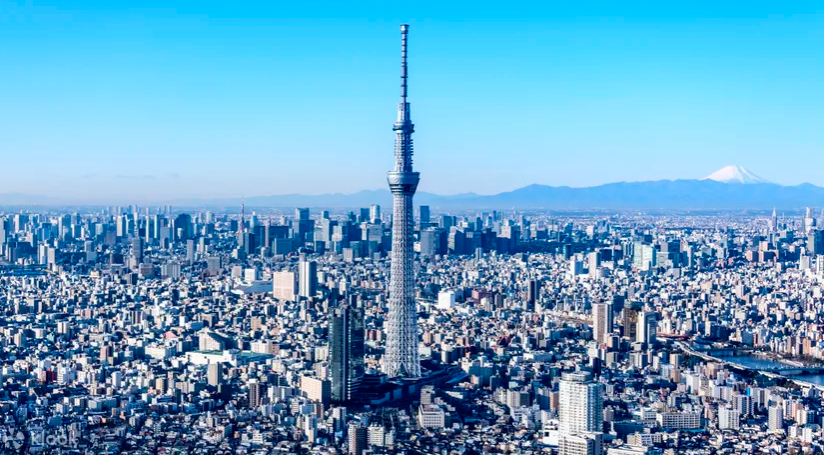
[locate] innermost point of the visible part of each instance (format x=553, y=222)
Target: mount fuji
x=735, y=174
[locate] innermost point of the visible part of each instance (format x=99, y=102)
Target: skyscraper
x=302, y=225
x=601, y=321
x=283, y=286
x=308, y=278
x=424, y=210
x=647, y=327
x=580, y=404
x=346, y=349
x=401, y=358
x=631, y=319
x=375, y=213
x=240, y=224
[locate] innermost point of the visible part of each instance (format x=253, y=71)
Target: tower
x=401, y=358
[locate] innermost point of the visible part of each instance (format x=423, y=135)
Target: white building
x=581, y=444
x=775, y=421
x=446, y=300
x=679, y=420
x=580, y=404
x=284, y=286
x=728, y=418
x=308, y=275
x=431, y=416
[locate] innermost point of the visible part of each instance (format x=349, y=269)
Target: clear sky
x=152, y=99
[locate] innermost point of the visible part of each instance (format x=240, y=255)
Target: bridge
x=793, y=370
x=726, y=351
x=726, y=356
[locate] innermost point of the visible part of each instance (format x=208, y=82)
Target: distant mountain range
x=732, y=187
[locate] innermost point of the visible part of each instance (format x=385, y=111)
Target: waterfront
x=761, y=363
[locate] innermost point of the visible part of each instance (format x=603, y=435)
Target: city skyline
x=216, y=101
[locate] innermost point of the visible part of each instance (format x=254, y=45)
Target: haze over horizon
x=210, y=100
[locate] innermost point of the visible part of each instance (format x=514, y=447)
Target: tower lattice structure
x=401, y=358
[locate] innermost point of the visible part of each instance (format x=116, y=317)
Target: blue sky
x=221, y=99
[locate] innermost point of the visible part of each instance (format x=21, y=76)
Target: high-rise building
x=424, y=214
x=401, y=358
x=346, y=350
x=594, y=259
x=774, y=221
x=302, y=226
x=241, y=225
x=601, y=322
x=728, y=418
x=630, y=316
x=775, y=422
x=357, y=438
x=214, y=374
x=580, y=404
x=308, y=276
x=375, y=214
x=283, y=286
x=316, y=389
x=815, y=242
x=647, y=327
x=137, y=248
x=743, y=404
x=431, y=241
x=532, y=290
x=257, y=391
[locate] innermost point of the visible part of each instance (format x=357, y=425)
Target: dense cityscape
x=424, y=330
x=150, y=330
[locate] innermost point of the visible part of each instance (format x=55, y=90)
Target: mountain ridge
x=653, y=194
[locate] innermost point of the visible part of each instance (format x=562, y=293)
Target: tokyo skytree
x=401, y=358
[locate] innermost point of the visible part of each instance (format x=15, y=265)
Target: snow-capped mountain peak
x=735, y=174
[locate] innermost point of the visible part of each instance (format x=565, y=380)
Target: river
x=757, y=363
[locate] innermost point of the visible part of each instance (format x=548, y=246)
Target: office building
x=284, y=286
x=316, y=389
x=424, y=215
x=647, y=327
x=308, y=276
x=375, y=214
x=346, y=351
x=601, y=322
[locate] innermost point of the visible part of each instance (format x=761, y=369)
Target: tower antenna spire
x=404, y=33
